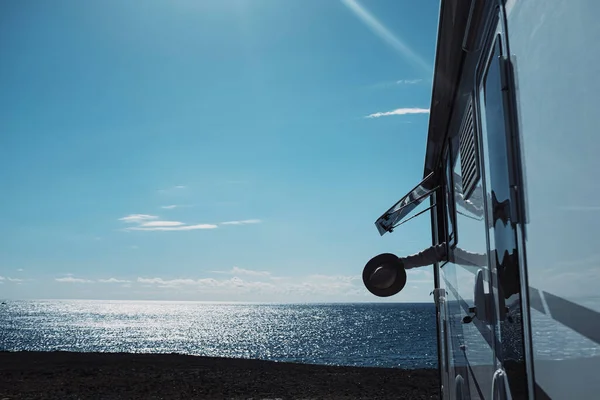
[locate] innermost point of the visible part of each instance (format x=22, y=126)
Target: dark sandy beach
x=62, y=375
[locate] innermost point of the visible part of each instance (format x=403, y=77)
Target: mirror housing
x=384, y=275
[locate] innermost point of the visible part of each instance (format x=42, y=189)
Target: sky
x=214, y=150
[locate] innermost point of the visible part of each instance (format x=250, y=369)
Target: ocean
x=399, y=335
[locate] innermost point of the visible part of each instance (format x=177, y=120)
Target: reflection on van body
x=511, y=176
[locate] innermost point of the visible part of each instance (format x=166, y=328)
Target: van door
x=499, y=148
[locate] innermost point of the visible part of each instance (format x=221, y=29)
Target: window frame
x=451, y=235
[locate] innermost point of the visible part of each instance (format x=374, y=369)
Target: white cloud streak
x=70, y=279
x=178, y=282
x=113, y=280
x=408, y=81
x=243, y=271
x=9, y=279
x=161, y=223
x=173, y=228
x=399, y=111
x=251, y=285
x=147, y=223
x=172, y=189
x=242, y=222
x=384, y=33
x=170, y=207
x=303, y=286
x=137, y=218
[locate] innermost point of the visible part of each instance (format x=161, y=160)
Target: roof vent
x=469, y=159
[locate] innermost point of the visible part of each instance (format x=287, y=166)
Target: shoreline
x=73, y=375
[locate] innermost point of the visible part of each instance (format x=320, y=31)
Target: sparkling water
x=363, y=334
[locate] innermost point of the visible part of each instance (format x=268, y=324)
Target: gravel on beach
x=66, y=375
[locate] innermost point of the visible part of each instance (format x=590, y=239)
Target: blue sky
x=214, y=150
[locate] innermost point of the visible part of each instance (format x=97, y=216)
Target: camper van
x=511, y=183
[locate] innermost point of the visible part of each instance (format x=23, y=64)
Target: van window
x=449, y=199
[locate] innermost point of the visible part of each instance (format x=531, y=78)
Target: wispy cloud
x=173, y=228
x=137, y=218
x=243, y=271
x=384, y=33
x=161, y=223
x=178, y=282
x=173, y=206
x=148, y=223
x=242, y=222
x=172, y=189
x=408, y=81
x=9, y=279
x=250, y=285
x=324, y=285
x=20, y=269
x=113, y=280
x=144, y=222
x=396, y=83
x=70, y=279
x=399, y=111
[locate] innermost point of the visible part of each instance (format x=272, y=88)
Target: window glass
x=450, y=209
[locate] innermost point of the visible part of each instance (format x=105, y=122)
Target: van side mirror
x=384, y=275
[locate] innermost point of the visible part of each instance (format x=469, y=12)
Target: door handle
x=500, y=385
x=439, y=296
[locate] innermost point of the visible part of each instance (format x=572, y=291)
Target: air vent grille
x=469, y=160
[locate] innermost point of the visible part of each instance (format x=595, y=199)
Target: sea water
x=398, y=335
